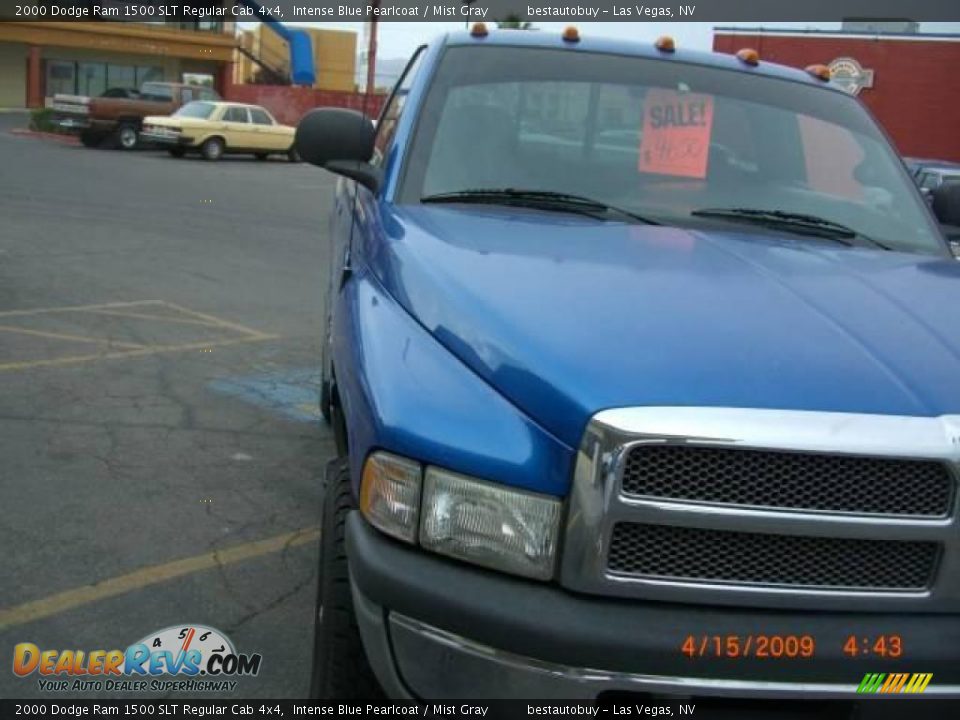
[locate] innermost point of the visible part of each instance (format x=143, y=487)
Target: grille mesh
x=695, y=554
x=837, y=483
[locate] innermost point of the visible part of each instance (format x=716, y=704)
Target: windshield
x=661, y=139
x=195, y=110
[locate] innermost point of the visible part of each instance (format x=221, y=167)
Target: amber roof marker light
x=821, y=72
x=479, y=30
x=748, y=56
x=571, y=34
x=665, y=44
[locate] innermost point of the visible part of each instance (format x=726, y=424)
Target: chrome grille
x=805, y=481
x=694, y=554
x=767, y=508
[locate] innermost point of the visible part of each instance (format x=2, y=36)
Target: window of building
x=61, y=77
x=121, y=76
x=197, y=78
x=91, y=78
x=94, y=78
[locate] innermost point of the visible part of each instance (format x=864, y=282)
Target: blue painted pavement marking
x=292, y=393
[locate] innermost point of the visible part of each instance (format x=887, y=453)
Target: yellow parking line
x=65, y=336
x=148, y=350
x=215, y=320
x=78, y=308
x=54, y=604
x=144, y=316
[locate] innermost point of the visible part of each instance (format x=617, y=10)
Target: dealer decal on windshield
x=676, y=133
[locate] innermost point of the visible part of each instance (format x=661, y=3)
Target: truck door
x=350, y=222
x=237, y=128
x=266, y=133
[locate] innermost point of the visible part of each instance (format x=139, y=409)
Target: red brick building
x=910, y=81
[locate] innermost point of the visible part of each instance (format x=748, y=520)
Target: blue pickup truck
x=644, y=369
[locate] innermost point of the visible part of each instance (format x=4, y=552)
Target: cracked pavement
x=112, y=465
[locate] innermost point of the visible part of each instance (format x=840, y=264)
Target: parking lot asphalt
x=162, y=453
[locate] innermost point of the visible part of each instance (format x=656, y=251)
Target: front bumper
x=434, y=628
x=72, y=123
x=165, y=139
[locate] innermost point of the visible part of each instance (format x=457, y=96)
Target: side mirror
x=340, y=141
x=946, y=203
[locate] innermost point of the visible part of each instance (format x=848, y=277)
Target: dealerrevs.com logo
x=201, y=658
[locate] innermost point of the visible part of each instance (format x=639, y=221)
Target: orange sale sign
x=676, y=133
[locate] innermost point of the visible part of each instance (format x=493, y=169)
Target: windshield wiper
x=799, y=222
x=540, y=199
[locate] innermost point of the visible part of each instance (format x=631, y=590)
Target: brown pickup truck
x=108, y=117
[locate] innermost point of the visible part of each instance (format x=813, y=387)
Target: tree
x=513, y=22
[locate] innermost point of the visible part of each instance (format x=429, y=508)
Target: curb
x=65, y=139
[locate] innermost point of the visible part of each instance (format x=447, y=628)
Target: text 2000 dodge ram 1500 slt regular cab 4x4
x=644, y=366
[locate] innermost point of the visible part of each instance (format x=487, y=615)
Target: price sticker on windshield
x=676, y=133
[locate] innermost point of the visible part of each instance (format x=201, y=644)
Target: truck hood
x=566, y=316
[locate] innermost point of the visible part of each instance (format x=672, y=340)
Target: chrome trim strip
x=596, y=503
x=487, y=672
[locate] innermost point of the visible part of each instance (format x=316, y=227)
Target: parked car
x=215, y=128
x=931, y=177
x=945, y=202
x=681, y=420
x=119, y=116
x=918, y=165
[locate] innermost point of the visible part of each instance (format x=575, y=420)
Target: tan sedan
x=215, y=128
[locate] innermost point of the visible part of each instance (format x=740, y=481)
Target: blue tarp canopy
x=302, y=71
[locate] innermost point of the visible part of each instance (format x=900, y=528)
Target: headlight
x=390, y=495
x=490, y=525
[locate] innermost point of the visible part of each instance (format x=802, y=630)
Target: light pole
x=466, y=23
x=372, y=53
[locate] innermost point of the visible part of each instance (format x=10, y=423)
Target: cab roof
x=635, y=48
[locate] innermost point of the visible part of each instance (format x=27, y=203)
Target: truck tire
x=292, y=155
x=127, y=136
x=212, y=149
x=340, y=666
x=91, y=139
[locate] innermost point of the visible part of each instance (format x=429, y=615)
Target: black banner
x=917, y=708
x=478, y=10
